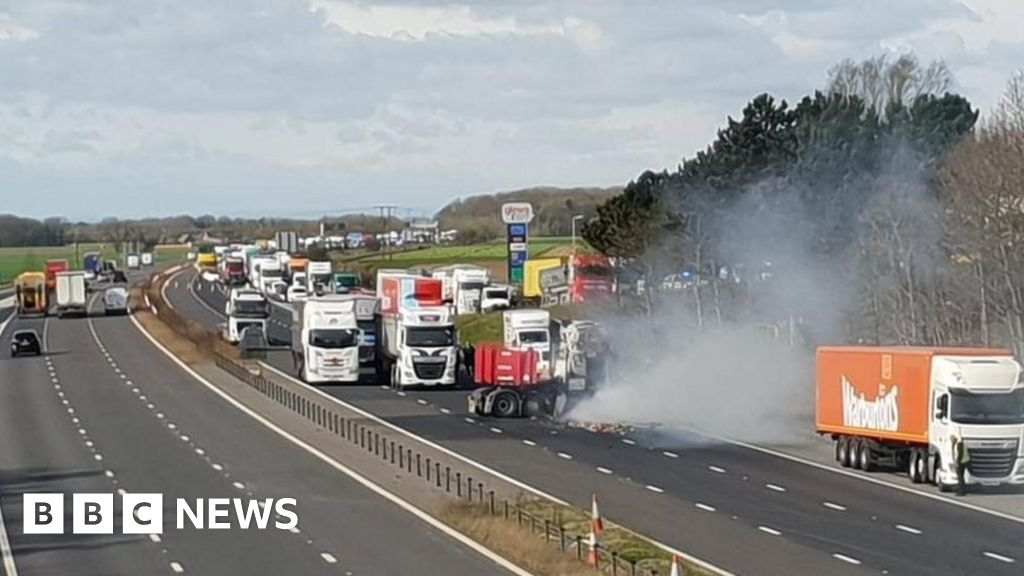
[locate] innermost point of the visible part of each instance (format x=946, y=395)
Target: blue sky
x=304, y=107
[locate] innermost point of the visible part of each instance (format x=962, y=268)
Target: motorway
x=741, y=509
x=104, y=411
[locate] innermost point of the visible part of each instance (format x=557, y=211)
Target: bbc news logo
x=43, y=513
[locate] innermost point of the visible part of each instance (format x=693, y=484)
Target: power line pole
x=386, y=211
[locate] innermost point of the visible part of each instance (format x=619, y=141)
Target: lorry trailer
x=30, y=294
x=245, y=308
x=907, y=406
x=70, y=293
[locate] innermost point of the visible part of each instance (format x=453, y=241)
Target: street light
x=575, y=217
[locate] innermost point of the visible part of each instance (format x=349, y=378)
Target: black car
x=26, y=343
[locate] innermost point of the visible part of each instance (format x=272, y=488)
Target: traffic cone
x=596, y=529
x=676, y=561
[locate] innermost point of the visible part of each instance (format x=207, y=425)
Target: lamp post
x=575, y=217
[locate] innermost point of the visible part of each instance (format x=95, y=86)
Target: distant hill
x=478, y=218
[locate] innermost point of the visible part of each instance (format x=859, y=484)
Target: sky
x=301, y=108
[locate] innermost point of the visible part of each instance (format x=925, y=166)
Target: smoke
x=735, y=357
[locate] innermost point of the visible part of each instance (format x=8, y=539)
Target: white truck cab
x=496, y=297
x=325, y=340
x=426, y=352
x=979, y=400
x=245, y=308
x=530, y=329
x=319, y=277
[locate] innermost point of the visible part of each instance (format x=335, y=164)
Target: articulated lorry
x=30, y=294
x=511, y=378
x=575, y=278
x=70, y=293
x=366, y=308
x=416, y=337
x=319, y=275
x=232, y=271
x=463, y=285
x=52, y=268
x=903, y=407
x=325, y=340
x=245, y=308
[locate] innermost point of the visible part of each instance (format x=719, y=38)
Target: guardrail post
x=579, y=547
x=469, y=488
x=480, y=490
x=428, y=469
x=615, y=563
x=458, y=484
x=490, y=496
x=401, y=451
x=419, y=472
x=392, y=452
x=376, y=444
x=448, y=479
x=437, y=473
x=561, y=539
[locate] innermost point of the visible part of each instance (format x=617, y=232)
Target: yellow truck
x=30, y=293
x=532, y=272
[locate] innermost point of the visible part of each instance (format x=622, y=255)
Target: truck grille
x=992, y=459
x=429, y=370
x=366, y=354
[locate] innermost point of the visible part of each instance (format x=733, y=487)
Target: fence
x=456, y=483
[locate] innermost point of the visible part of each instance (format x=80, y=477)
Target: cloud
x=285, y=105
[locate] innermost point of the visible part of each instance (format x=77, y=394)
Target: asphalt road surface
x=744, y=510
x=103, y=410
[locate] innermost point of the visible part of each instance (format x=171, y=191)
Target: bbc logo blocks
x=92, y=514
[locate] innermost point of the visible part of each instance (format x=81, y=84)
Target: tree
x=882, y=82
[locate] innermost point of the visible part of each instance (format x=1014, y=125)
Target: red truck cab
x=591, y=277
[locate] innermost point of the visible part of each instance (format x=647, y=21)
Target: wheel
x=395, y=375
x=838, y=451
x=864, y=460
x=911, y=466
x=843, y=449
x=505, y=405
x=920, y=467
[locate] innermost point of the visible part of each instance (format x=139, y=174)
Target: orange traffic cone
x=596, y=529
x=676, y=561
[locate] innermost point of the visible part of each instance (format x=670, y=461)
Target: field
x=495, y=251
x=15, y=260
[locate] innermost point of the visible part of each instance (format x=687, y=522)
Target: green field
x=15, y=260
x=475, y=253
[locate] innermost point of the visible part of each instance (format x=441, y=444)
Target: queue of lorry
x=61, y=291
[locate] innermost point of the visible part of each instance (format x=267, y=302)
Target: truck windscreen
x=533, y=337
x=971, y=408
x=430, y=337
x=333, y=339
x=251, y=308
x=594, y=272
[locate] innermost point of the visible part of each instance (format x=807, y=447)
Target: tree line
x=887, y=211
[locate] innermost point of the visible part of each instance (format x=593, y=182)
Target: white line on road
x=495, y=430
x=705, y=507
x=328, y=558
x=200, y=451
x=999, y=557
x=529, y=442
x=603, y=470
x=908, y=529
x=10, y=569
x=155, y=538
x=628, y=441
x=717, y=469
x=775, y=487
x=846, y=559
x=469, y=420
x=185, y=438
x=445, y=411
x=177, y=568
x=421, y=401
x=834, y=506
x=239, y=486
x=670, y=454
x=565, y=455
x=654, y=488
x=108, y=473
x=216, y=467
x=768, y=530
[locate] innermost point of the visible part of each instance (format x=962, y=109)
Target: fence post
x=480, y=490
x=428, y=469
x=579, y=547
x=505, y=504
x=469, y=488
x=547, y=530
x=392, y=452
x=490, y=505
x=615, y=563
x=561, y=539
x=400, y=451
x=419, y=471
x=458, y=484
x=448, y=479
x=437, y=473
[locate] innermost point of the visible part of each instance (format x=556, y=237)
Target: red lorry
x=591, y=277
x=52, y=268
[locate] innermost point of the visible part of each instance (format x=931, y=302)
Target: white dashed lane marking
x=705, y=507
x=603, y=470
x=670, y=454
x=565, y=456
x=847, y=559
x=768, y=530
x=999, y=557
x=908, y=529
x=717, y=469
x=834, y=506
x=654, y=488
x=328, y=558
x=177, y=568
x=529, y=442
x=628, y=441
x=775, y=487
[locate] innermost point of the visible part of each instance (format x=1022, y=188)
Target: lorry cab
x=496, y=297
x=427, y=350
x=245, y=308
x=981, y=401
x=366, y=307
x=346, y=282
x=530, y=329
x=319, y=276
x=325, y=340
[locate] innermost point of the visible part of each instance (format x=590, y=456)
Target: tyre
x=843, y=449
x=505, y=405
x=865, y=461
x=911, y=466
x=920, y=467
x=395, y=376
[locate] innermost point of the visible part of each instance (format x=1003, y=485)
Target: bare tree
x=882, y=81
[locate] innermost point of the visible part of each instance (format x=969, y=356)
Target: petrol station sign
x=517, y=217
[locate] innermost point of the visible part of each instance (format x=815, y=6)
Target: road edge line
x=365, y=482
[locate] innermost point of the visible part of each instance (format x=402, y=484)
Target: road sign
x=517, y=213
x=518, y=250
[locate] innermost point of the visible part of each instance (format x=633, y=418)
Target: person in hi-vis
x=963, y=463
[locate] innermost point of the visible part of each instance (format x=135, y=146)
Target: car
x=297, y=293
x=26, y=343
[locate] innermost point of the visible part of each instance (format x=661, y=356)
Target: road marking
x=603, y=470
x=846, y=559
x=328, y=558
x=97, y=457
x=154, y=538
x=400, y=393
x=495, y=430
x=200, y=451
x=294, y=530
x=717, y=469
x=88, y=443
x=469, y=420
x=705, y=507
x=529, y=442
x=768, y=530
x=108, y=473
x=565, y=455
x=177, y=568
x=160, y=415
x=833, y=506
x=405, y=505
x=421, y=401
x=81, y=431
x=445, y=411
x=239, y=486
x=628, y=441
x=775, y=487
x=654, y=488
x=172, y=425
x=10, y=569
x=999, y=557
x=908, y=529
x=670, y=454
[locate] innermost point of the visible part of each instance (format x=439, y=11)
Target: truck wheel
x=843, y=449
x=506, y=405
x=916, y=466
x=395, y=376
x=865, y=461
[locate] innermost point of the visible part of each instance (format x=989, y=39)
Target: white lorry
x=463, y=286
x=325, y=340
x=245, y=308
x=496, y=297
x=70, y=289
x=530, y=329
x=132, y=261
x=255, y=268
x=417, y=344
x=147, y=258
x=270, y=271
x=115, y=300
x=319, y=275
x=366, y=308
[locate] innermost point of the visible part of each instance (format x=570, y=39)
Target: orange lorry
x=902, y=406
